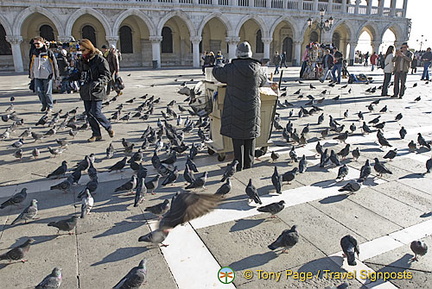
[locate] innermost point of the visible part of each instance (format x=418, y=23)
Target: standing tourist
x=43, y=69
x=327, y=64
x=388, y=70
x=426, y=58
x=94, y=75
x=338, y=61
x=373, y=60
x=112, y=58
x=276, y=62
x=283, y=60
x=240, y=118
x=402, y=61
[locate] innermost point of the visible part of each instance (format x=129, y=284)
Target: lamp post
x=421, y=41
x=323, y=24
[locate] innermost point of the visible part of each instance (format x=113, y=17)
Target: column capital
x=64, y=38
x=112, y=39
x=232, y=39
x=155, y=38
x=195, y=39
x=266, y=40
x=14, y=39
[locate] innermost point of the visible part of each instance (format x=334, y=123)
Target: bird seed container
x=221, y=144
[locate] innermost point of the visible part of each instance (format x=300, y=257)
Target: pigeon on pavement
x=342, y=173
x=129, y=186
x=156, y=237
x=352, y=186
x=17, y=253
x=87, y=203
x=419, y=248
x=65, y=225
x=287, y=239
x=252, y=193
x=230, y=170
x=60, y=171
x=225, y=188
x=16, y=199
x=159, y=209
x=199, y=182
x=51, y=281
x=380, y=168
x=29, y=213
x=134, y=278
x=350, y=248
x=277, y=181
x=272, y=208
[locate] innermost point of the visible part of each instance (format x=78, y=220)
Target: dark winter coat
x=93, y=75
x=241, y=111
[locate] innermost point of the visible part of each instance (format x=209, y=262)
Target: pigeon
x=384, y=109
x=272, y=208
x=391, y=154
x=18, y=154
x=419, y=248
x=134, y=278
x=230, y=170
x=63, y=186
x=118, y=166
x=19, y=143
x=333, y=158
x=55, y=151
x=51, y=281
x=187, y=206
x=199, y=182
x=152, y=184
x=110, y=151
x=290, y=175
x=365, y=170
x=302, y=164
x=274, y=156
x=352, y=127
x=382, y=140
x=366, y=128
x=171, y=177
x=342, y=137
x=18, y=253
x=352, y=186
x=380, y=168
x=418, y=98
x=350, y=247
x=412, y=146
x=171, y=159
x=140, y=192
x=156, y=237
x=60, y=171
x=29, y=213
x=422, y=142
x=344, y=152
x=36, y=136
x=402, y=132
x=159, y=209
x=87, y=203
x=293, y=155
x=129, y=185
x=398, y=117
x=252, y=193
x=356, y=153
x=319, y=148
x=65, y=225
x=225, y=188
x=16, y=199
x=428, y=165
x=287, y=239
x=277, y=181
x=342, y=173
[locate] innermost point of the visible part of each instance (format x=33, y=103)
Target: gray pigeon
x=135, y=278
x=419, y=248
x=422, y=142
x=428, y=165
x=350, y=248
x=344, y=152
x=152, y=184
x=342, y=173
x=159, y=209
x=356, y=153
x=60, y=171
x=380, y=168
x=287, y=239
x=118, y=166
x=52, y=281
x=391, y=154
x=290, y=175
x=272, y=208
x=252, y=193
x=140, y=192
x=87, y=203
x=352, y=186
x=188, y=174
x=225, y=188
x=156, y=237
x=17, y=253
x=65, y=225
x=29, y=213
x=402, y=132
x=277, y=181
x=302, y=164
x=110, y=151
x=63, y=186
x=230, y=170
x=15, y=199
x=199, y=182
x=129, y=185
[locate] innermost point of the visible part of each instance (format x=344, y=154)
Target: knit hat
x=244, y=50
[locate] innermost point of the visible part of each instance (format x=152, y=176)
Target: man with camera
x=402, y=63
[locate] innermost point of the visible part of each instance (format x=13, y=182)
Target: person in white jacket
x=388, y=70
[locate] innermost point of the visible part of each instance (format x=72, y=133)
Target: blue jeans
x=337, y=67
x=425, y=74
x=95, y=117
x=44, y=90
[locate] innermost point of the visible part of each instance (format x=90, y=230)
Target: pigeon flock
x=351, y=150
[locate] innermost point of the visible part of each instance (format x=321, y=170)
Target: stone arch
x=370, y=28
x=213, y=33
x=294, y=27
x=183, y=16
x=258, y=20
x=220, y=17
x=344, y=30
x=23, y=15
x=6, y=25
x=396, y=29
x=83, y=11
x=283, y=33
x=133, y=12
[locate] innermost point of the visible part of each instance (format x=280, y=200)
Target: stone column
x=356, y=9
x=405, y=4
x=15, y=41
x=267, y=42
x=156, y=50
x=315, y=5
x=330, y=6
x=296, y=61
x=195, y=50
x=393, y=8
x=300, y=5
x=232, y=45
x=63, y=38
x=353, y=45
x=112, y=40
x=380, y=7
x=369, y=7
x=375, y=45
x=344, y=7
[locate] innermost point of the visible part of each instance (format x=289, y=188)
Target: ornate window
x=167, y=40
x=126, y=43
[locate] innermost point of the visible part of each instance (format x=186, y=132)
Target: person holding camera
x=93, y=76
x=402, y=62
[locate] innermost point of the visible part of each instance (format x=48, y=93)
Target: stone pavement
x=384, y=216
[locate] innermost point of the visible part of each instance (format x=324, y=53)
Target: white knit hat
x=244, y=50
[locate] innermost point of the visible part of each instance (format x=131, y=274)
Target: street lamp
x=421, y=41
x=322, y=25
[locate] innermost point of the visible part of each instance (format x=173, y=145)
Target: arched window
x=126, y=44
x=336, y=39
x=47, y=32
x=167, y=40
x=288, y=48
x=88, y=32
x=259, y=45
x=313, y=37
x=5, y=47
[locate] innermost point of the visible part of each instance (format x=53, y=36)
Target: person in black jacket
x=93, y=76
x=240, y=118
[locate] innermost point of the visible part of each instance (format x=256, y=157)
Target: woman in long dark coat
x=241, y=112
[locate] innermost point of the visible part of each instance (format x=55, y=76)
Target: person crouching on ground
x=241, y=110
x=43, y=69
x=94, y=75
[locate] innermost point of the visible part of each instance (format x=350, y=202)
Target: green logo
x=226, y=275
